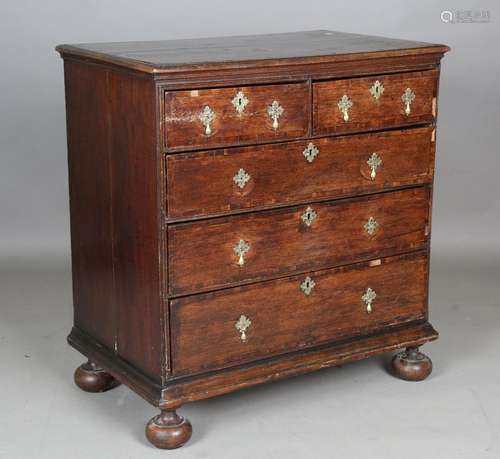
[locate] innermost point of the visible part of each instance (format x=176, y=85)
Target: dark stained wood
x=366, y=112
x=201, y=184
x=136, y=222
x=141, y=383
x=193, y=54
x=113, y=161
x=157, y=286
x=292, y=71
x=411, y=365
x=89, y=172
x=222, y=382
x=168, y=430
x=284, y=319
x=185, y=130
x=202, y=257
x=177, y=391
x=91, y=378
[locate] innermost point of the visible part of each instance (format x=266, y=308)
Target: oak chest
x=246, y=209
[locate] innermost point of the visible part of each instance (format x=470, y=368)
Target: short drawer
x=383, y=101
x=221, y=181
x=226, y=251
x=238, y=325
x=233, y=116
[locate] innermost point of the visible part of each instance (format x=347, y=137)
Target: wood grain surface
x=114, y=204
x=156, y=212
x=202, y=257
x=368, y=113
x=229, y=127
x=307, y=47
x=284, y=319
x=202, y=184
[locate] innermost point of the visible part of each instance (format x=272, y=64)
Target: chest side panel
x=113, y=165
x=136, y=221
x=89, y=170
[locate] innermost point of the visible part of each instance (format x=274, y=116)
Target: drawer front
x=242, y=324
x=233, y=116
x=226, y=251
x=357, y=105
x=207, y=183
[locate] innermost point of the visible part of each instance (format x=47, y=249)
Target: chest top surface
x=309, y=46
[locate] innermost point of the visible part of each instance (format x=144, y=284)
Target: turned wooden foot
x=168, y=430
x=91, y=378
x=411, y=365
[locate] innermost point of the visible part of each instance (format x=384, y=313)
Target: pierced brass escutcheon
x=377, y=90
x=307, y=286
x=308, y=216
x=310, y=152
x=344, y=105
x=239, y=101
x=242, y=326
x=241, y=249
x=368, y=298
x=374, y=162
x=408, y=97
x=206, y=117
x=275, y=110
x=241, y=178
x=371, y=226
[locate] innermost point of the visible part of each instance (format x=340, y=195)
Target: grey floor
x=355, y=411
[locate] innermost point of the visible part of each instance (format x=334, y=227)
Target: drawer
x=221, y=181
x=362, y=104
x=232, y=116
x=226, y=251
x=242, y=324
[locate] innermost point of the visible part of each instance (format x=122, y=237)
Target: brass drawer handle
x=275, y=110
x=239, y=101
x=408, y=97
x=307, y=286
x=206, y=117
x=242, y=326
x=371, y=226
x=310, y=152
x=344, y=105
x=374, y=162
x=377, y=90
x=241, y=178
x=368, y=298
x=241, y=249
x=308, y=216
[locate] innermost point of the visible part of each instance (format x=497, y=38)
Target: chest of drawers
x=247, y=209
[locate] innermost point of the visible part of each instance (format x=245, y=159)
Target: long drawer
x=242, y=324
x=221, y=181
x=203, y=118
x=225, y=251
x=368, y=103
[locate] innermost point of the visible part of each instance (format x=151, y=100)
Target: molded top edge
x=171, y=56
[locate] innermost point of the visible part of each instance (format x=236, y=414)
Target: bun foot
x=411, y=365
x=168, y=430
x=89, y=377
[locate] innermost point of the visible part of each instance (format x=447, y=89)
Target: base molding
x=121, y=370
x=176, y=392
